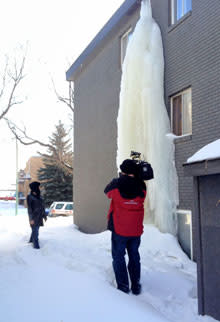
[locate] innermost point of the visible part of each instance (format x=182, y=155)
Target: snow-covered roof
x=208, y=152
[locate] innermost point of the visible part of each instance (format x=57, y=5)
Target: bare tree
x=22, y=136
x=68, y=101
x=10, y=79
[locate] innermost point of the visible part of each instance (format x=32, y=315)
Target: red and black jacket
x=126, y=212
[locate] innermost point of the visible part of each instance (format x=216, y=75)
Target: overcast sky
x=56, y=32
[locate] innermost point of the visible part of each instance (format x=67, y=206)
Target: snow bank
x=71, y=279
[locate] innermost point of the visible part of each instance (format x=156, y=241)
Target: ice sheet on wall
x=143, y=122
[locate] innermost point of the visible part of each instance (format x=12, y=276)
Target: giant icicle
x=143, y=122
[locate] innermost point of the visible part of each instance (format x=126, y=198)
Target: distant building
x=28, y=175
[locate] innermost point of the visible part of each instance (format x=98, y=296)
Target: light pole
x=16, y=202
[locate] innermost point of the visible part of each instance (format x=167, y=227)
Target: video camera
x=145, y=171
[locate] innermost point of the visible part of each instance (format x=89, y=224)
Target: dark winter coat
x=36, y=210
x=126, y=212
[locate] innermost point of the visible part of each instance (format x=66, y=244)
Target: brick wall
x=31, y=170
x=192, y=58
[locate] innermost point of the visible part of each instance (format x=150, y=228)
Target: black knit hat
x=34, y=186
x=129, y=166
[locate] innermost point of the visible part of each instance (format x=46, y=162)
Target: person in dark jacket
x=36, y=212
x=125, y=220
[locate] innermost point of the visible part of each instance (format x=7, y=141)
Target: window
x=69, y=206
x=59, y=206
x=181, y=112
x=179, y=8
x=124, y=43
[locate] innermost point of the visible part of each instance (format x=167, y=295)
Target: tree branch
x=67, y=101
x=22, y=136
x=4, y=78
x=16, y=77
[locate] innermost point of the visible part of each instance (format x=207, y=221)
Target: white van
x=61, y=208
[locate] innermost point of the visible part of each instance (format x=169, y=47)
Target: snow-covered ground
x=71, y=279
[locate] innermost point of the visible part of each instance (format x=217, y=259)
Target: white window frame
x=172, y=11
x=181, y=93
x=122, y=48
x=174, y=18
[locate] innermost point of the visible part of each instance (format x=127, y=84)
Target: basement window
x=184, y=231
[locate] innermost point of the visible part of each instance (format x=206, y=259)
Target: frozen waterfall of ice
x=143, y=122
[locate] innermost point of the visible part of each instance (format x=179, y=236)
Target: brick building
x=190, y=34
x=28, y=175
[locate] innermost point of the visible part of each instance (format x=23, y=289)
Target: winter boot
x=123, y=288
x=136, y=288
x=36, y=245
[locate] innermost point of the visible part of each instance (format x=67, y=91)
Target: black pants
x=34, y=236
x=119, y=246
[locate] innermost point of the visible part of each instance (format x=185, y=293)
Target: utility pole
x=16, y=202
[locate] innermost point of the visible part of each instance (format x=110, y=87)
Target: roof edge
x=125, y=9
x=202, y=168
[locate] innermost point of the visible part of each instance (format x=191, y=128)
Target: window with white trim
x=181, y=112
x=179, y=8
x=124, y=43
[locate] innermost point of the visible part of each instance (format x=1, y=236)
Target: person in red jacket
x=125, y=220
